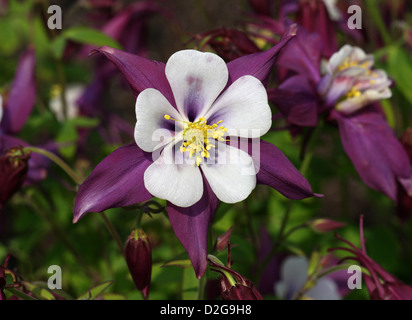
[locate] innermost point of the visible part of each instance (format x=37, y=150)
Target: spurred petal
x=279, y=173
x=22, y=95
x=376, y=153
x=296, y=99
x=140, y=73
x=259, y=64
x=117, y=181
x=174, y=180
x=152, y=130
x=303, y=55
x=197, y=78
x=191, y=225
x=243, y=108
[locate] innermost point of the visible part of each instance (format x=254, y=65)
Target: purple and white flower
x=194, y=99
x=350, y=83
x=205, y=116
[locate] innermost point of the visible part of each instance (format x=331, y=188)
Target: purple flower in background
x=381, y=285
x=190, y=95
x=15, y=108
x=351, y=87
x=350, y=83
x=347, y=93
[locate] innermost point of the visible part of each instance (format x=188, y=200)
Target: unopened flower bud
x=223, y=240
x=138, y=256
x=13, y=172
x=234, y=285
x=325, y=225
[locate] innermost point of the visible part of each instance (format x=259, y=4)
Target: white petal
x=181, y=184
x=196, y=79
x=152, y=130
x=244, y=109
x=230, y=173
x=325, y=289
x=294, y=272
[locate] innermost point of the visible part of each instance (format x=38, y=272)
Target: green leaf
x=94, y=292
x=39, y=292
x=190, y=285
x=57, y=46
x=178, y=263
x=90, y=36
x=400, y=68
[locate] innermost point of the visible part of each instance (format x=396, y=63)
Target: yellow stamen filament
x=354, y=92
x=348, y=64
x=196, y=137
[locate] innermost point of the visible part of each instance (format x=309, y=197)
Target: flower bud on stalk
x=234, y=285
x=138, y=256
x=13, y=172
x=325, y=225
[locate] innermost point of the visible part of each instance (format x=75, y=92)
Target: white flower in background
x=293, y=276
x=350, y=82
x=194, y=144
x=333, y=10
x=73, y=93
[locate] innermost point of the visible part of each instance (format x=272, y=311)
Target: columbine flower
x=381, y=285
x=346, y=94
x=190, y=99
x=350, y=83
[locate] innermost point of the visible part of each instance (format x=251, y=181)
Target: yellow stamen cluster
x=197, y=137
x=349, y=64
x=354, y=92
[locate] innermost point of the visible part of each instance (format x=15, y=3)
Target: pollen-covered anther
x=197, y=137
x=348, y=63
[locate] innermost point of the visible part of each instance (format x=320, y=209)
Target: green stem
x=201, y=288
x=373, y=9
x=63, y=165
x=20, y=294
x=282, y=236
x=76, y=178
x=250, y=228
x=110, y=227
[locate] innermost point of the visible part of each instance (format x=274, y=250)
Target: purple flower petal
x=259, y=64
x=117, y=181
x=374, y=150
x=140, y=73
x=303, y=55
x=22, y=95
x=191, y=225
x=279, y=173
x=297, y=101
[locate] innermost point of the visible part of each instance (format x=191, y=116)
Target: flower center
x=198, y=137
x=349, y=64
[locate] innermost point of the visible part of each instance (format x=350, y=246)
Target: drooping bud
x=138, y=256
x=325, y=225
x=13, y=172
x=234, y=286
